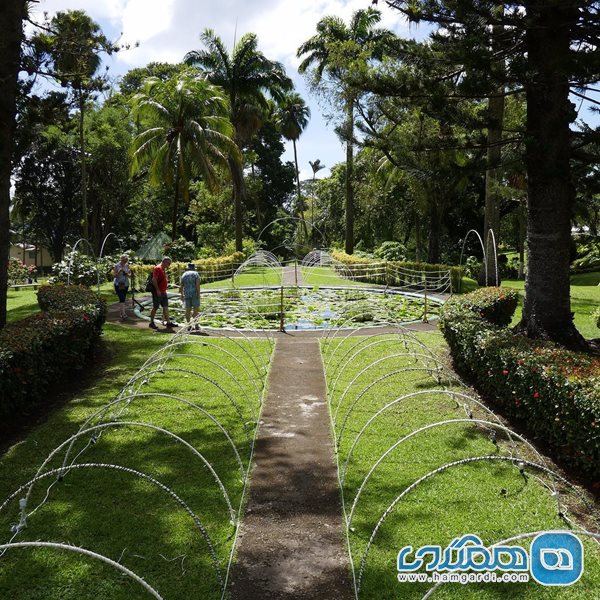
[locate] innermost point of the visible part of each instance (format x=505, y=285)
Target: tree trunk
x=175, y=207
x=547, y=309
x=435, y=229
x=84, y=211
x=11, y=19
x=492, y=178
x=418, y=242
x=239, y=196
x=522, y=234
x=349, y=246
x=300, y=203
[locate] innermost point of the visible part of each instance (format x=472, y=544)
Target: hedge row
x=210, y=269
x=391, y=275
x=555, y=392
x=41, y=350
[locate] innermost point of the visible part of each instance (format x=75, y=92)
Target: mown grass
x=585, y=298
x=250, y=277
x=118, y=514
x=490, y=499
x=328, y=276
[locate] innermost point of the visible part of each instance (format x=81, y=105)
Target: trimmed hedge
x=389, y=278
x=210, y=269
x=39, y=351
x=555, y=392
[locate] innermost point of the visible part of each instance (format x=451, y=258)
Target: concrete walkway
x=292, y=275
x=291, y=544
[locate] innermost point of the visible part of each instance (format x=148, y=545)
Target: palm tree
x=291, y=118
x=186, y=133
x=316, y=166
x=321, y=55
x=247, y=76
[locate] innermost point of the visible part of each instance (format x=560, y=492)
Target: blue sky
x=167, y=29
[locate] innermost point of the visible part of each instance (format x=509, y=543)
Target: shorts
x=192, y=301
x=121, y=292
x=161, y=300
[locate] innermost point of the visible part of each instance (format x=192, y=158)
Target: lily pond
x=304, y=308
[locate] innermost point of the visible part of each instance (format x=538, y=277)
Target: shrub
x=210, y=269
x=180, y=250
x=552, y=390
x=596, y=317
x=63, y=298
x=17, y=271
x=81, y=269
x=394, y=272
x=391, y=251
x=37, y=352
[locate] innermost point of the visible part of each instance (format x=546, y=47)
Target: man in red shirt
x=159, y=292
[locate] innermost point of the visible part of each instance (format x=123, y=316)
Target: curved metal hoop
x=84, y=552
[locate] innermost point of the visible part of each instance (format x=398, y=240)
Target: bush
x=17, y=271
x=81, y=269
x=180, y=250
x=391, y=251
x=596, y=317
x=389, y=274
x=552, y=390
x=210, y=269
x=36, y=352
x=64, y=298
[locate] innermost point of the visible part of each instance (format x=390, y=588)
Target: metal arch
x=289, y=219
x=161, y=370
x=370, y=386
x=452, y=394
x=403, y=336
x=128, y=400
x=410, y=354
x=412, y=486
x=102, y=426
x=140, y=474
x=212, y=362
x=207, y=343
x=507, y=430
x=523, y=536
x=425, y=367
x=85, y=552
x=487, y=243
x=482, y=249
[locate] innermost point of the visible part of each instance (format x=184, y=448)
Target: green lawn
x=585, y=298
x=124, y=516
x=250, y=277
x=328, y=276
x=490, y=499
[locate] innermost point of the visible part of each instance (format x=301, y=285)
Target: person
x=189, y=289
x=159, y=292
x=122, y=272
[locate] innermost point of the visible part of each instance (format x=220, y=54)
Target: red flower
x=536, y=394
x=504, y=371
x=86, y=317
x=517, y=402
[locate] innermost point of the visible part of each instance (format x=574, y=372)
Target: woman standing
x=122, y=271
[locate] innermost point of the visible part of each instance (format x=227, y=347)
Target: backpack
x=149, y=285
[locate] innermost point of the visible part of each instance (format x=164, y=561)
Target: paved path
x=292, y=275
x=291, y=544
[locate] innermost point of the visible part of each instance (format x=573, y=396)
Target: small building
x=31, y=255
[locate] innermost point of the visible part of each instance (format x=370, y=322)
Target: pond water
x=304, y=308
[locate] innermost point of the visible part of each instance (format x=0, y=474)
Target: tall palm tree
x=291, y=117
x=186, y=133
x=316, y=166
x=321, y=56
x=247, y=77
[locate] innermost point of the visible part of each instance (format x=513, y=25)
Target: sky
x=167, y=29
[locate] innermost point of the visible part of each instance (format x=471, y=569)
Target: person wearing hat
x=190, y=292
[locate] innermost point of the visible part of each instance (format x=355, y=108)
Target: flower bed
x=555, y=392
x=42, y=349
